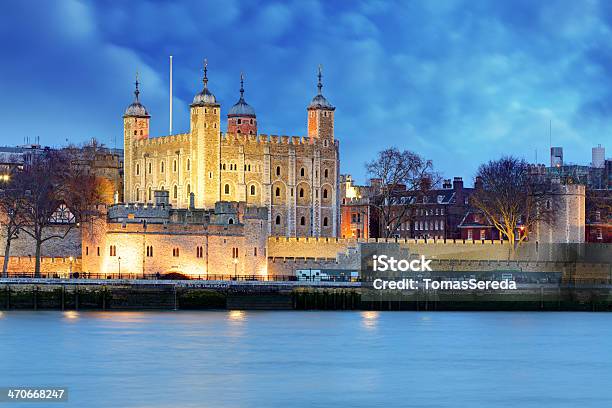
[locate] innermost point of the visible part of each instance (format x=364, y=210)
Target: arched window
x=302, y=172
x=161, y=167
x=175, y=192
x=137, y=194
x=325, y=173
x=174, y=167
x=325, y=221
x=188, y=164
x=277, y=193
x=188, y=189
x=230, y=221
x=150, y=167
x=303, y=221
x=324, y=193
x=226, y=189
x=138, y=169
x=301, y=192
x=278, y=220
x=252, y=190
x=149, y=194
x=278, y=170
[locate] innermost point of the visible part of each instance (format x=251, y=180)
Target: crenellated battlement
x=161, y=140
x=235, y=139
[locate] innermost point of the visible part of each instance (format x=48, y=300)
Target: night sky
x=460, y=82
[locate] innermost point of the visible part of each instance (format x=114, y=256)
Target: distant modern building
x=556, y=156
x=599, y=157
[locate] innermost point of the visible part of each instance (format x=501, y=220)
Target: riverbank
x=58, y=294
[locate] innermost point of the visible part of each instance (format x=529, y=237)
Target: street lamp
x=119, y=260
x=235, y=260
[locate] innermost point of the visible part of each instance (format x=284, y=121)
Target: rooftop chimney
x=162, y=197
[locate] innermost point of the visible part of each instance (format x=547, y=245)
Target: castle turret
x=205, y=127
x=320, y=115
x=241, y=117
x=135, y=127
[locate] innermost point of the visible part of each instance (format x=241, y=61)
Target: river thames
x=310, y=359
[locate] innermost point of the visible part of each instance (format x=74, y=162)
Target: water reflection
x=237, y=315
x=122, y=317
x=71, y=314
x=369, y=319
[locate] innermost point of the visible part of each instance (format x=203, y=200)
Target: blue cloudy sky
x=459, y=82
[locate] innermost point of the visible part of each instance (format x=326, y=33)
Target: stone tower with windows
x=135, y=128
x=321, y=115
x=241, y=118
x=295, y=178
x=206, y=144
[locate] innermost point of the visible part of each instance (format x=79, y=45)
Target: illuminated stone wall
x=132, y=249
x=296, y=178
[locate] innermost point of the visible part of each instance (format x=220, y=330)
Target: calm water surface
x=311, y=359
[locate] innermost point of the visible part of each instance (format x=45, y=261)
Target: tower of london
x=295, y=178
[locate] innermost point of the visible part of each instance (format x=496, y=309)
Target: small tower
x=320, y=115
x=135, y=128
x=136, y=118
x=241, y=117
x=205, y=129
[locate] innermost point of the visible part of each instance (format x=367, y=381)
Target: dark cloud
x=458, y=81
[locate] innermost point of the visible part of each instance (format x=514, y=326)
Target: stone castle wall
x=188, y=249
x=48, y=265
x=55, y=247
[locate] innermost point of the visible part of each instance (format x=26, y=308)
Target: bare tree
x=56, y=180
x=513, y=197
x=400, y=178
x=11, y=219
